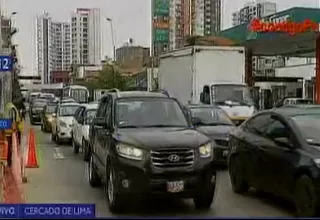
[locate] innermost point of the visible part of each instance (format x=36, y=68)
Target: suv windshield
x=231, y=95
x=67, y=110
x=211, y=116
x=149, y=112
x=309, y=126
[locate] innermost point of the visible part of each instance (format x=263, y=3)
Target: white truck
x=210, y=75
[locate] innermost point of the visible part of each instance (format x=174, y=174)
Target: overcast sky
x=131, y=20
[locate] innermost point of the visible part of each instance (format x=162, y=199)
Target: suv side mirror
x=81, y=121
x=101, y=121
x=196, y=121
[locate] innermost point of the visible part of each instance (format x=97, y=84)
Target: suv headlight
x=63, y=124
x=205, y=150
x=129, y=152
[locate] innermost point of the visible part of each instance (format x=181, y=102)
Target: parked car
x=142, y=143
x=215, y=123
x=35, y=111
x=62, y=123
x=80, y=128
x=278, y=151
x=46, y=116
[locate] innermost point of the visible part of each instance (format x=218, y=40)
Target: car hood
x=67, y=120
x=151, y=138
x=216, y=131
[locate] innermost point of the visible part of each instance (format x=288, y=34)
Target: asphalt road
x=62, y=178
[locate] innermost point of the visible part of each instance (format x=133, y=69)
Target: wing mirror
x=81, y=121
x=283, y=141
x=101, y=122
x=196, y=121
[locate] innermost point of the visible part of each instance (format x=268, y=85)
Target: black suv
x=35, y=110
x=142, y=143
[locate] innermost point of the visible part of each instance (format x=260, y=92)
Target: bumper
x=65, y=133
x=220, y=155
x=136, y=180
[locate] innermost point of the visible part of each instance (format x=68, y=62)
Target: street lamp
x=113, y=38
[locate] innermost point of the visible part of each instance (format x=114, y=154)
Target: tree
x=110, y=77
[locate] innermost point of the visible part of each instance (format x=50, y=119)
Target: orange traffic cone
x=32, y=161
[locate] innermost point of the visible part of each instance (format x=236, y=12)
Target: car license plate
x=225, y=153
x=175, y=186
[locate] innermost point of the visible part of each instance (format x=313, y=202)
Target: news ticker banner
x=53, y=211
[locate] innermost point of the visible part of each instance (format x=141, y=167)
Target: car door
x=98, y=132
x=279, y=158
x=251, y=141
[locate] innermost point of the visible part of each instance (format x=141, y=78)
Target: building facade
x=253, y=10
x=86, y=36
x=130, y=56
x=262, y=66
x=207, y=17
x=60, y=77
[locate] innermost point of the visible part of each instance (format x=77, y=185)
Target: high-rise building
x=160, y=13
x=86, y=36
x=206, y=17
x=251, y=10
x=53, y=46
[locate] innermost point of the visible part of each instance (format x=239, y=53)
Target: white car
x=62, y=122
x=80, y=127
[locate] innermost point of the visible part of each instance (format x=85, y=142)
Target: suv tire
x=238, y=183
x=112, y=191
x=93, y=177
x=204, y=196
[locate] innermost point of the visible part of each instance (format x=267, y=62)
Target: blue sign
x=6, y=63
x=5, y=123
x=47, y=211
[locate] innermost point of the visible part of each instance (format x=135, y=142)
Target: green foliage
x=108, y=78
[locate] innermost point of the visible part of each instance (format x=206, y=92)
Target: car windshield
x=90, y=115
x=50, y=109
x=304, y=101
x=149, y=112
x=211, y=116
x=67, y=110
x=309, y=126
x=231, y=95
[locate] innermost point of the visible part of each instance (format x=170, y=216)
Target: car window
x=67, y=110
x=50, y=109
x=89, y=115
x=276, y=129
x=258, y=124
x=309, y=127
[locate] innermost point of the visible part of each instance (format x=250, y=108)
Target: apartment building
x=252, y=10
x=206, y=16
x=53, y=46
x=86, y=36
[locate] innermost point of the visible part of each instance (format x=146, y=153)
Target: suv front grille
x=172, y=157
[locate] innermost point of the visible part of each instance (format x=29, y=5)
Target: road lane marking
x=57, y=155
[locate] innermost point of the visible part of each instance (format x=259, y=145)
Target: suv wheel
x=305, y=198
x=238, y=183
x=204, y=196
x=112, y=191
x=75, y=147
x=93, y=177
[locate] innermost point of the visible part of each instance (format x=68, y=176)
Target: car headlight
x=129, y=152
x=205, y=150
x=63, y=124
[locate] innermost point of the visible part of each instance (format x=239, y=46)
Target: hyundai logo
x=174, y=158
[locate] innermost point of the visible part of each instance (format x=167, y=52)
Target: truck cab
x=236, y=99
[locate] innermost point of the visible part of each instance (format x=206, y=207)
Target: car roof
x=138, y=94
x=290, y=112
x=202, y=106
x=69, y=104
x=90, y=105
